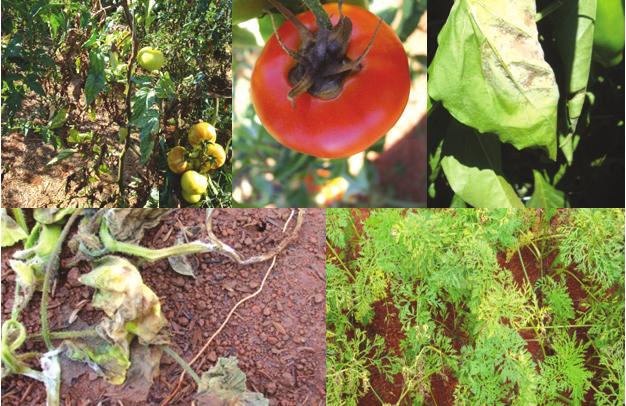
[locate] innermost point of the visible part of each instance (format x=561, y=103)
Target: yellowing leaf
x=490, y=74
x=132, y=307
x=11, y=231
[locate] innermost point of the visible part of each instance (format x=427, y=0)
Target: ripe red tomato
x=369, y=104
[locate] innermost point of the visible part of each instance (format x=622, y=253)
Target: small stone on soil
x=72, y=277
x=212, y=356
x=287, y=379
x=270, y=388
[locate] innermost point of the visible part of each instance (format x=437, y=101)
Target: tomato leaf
x=129, y=225
x=95, y=80
x=58, y=119
x=225, y=383
x=568, y=145
x=11, y=231
x=545, y=195
x=108, y=359
x=479, y=188
x=63, y=154
x=489, y=72
x=132, y=307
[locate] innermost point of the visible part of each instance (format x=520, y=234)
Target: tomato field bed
x=466, y=306
x=276, y=335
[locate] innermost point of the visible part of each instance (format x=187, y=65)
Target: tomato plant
x=105, y=90
x=285, y=135
x=534, y=119
x=332, y=118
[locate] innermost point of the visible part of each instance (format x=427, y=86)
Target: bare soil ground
x=27, y=180
x=278, y=336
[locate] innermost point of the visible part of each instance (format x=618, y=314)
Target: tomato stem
x=320, y=15
x=129, y=112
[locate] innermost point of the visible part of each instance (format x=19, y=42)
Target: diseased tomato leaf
x=225, y=383
x=479, y=188
x=132, y=307
x=108, y=359
x=489, y=72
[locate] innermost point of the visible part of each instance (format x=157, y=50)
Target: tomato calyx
x=322, y=64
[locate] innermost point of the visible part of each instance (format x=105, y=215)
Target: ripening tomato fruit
x=350, y=117
x=215, y=157
x=201, y=132
x=176, y=160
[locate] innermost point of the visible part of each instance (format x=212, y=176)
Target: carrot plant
x=504, y=306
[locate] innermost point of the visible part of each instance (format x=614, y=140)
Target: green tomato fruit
x=194, y=183
x=191, y=198
x=608, y=35
x=150, y=59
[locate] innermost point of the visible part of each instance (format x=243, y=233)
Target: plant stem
x=129, y=112
x=113, y=245
x=33, y=236
x=51, y=267
x=18, y=214
x=182, y=363
x=320, y=14
x=216, y=113
x=64, y=335
x=343, y=265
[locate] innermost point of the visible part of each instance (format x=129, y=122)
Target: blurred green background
x=391, y=173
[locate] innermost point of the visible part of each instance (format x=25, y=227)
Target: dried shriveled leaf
x=489, y=72
x=144, y=361
x=132, y=307
x=479, y=188
x=107, y=359
x=11, y=231
x=183, y=264
x=129, y=225
x=226, y=383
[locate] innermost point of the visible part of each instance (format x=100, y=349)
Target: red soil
x=386, y=323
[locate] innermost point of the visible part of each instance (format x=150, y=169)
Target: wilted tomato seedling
x=133, y=331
